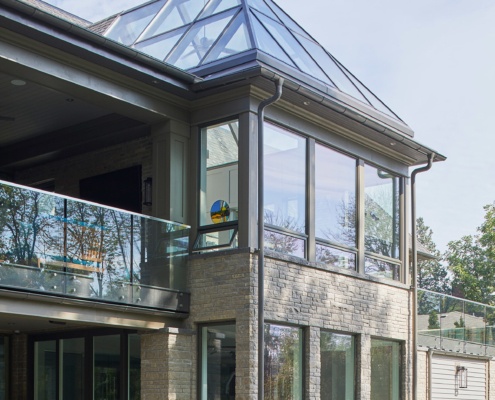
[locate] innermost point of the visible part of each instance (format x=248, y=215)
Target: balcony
x=452, y=324
x=59, y=246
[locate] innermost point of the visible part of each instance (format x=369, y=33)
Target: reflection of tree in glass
x=279, y=242
x=281, y=362
x=21, y=224
x=345, y=231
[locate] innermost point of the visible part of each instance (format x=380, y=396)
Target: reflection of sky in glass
x=335, y=191
x=285, y=179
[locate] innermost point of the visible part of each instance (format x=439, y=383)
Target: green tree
x=432, y=274
x=472, y=261
x=433, y=322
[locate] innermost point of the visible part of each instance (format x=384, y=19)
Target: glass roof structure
x=191, y=34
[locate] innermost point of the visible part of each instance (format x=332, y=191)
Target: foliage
x=432, y=275
x=472, y=261
x=433, y=322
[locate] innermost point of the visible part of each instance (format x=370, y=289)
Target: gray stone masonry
x=224, y=288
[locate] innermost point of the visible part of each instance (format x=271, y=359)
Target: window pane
x=337, y=366
x=382, y=212
x=45, y=370
x=73, y=368
x=107, y=367
x=335, y=257
x=335, y=192
x=134, y=372
x=385, y=370
x=129, y=26
x=283, y=362
x=218, y=349
x=198, y=41
x=381, y=268
x=286, y=244
x=219, y=173
x=175, y=14
x=4, y=367
x=216, y=239
x=285, y=179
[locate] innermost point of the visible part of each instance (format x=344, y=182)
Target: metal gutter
x=414, y=287
x=254, y=69
x=95, y=38
x=261, y=238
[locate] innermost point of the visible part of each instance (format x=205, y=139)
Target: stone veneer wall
x=224, y=288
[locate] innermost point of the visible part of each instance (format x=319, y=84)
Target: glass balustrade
x=453, y=324
x=67, y=247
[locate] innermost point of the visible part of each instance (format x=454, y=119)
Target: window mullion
x=360, y=215
x=310, y=201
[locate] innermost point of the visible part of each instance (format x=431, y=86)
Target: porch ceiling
x=39, y=124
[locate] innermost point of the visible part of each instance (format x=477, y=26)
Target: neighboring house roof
x=423, y=253
x=448, y=320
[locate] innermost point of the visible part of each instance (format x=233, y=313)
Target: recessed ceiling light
x=306, y=103
x=18, y=82
x=392, y=143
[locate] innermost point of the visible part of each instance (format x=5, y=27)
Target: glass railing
x=453, y=324
x=67, y=247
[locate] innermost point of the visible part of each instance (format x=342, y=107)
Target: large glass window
x=218, y=349
x=337, y=366
x=4, y=367
x=285, y=190
x=385, y=370
x=63, y=367
x=283, y=362
x=73, y=371
x=45, y=371
x=107, y=367
x=382, y=221
x=219, y=199
x=335, y=207
x=219, y=173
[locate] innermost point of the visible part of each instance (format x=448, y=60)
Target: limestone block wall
x=224, y=288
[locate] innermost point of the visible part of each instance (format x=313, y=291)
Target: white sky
x=433, y=63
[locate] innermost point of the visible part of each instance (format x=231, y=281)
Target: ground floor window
x=98, y=366
x=385, y=369
x=283, y=362
x=337, y=366
x=4, y=367
x=218, y=349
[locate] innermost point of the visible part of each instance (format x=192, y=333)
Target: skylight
x=191, y=34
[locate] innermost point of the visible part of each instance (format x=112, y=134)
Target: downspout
x=261, y=238
x=415, y=273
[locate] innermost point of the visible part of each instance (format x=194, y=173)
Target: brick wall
x=166, y=365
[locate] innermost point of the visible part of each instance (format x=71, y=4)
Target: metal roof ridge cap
x=97, y=38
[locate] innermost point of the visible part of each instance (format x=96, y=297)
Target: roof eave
x=28, y=19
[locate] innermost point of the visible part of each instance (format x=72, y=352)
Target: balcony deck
x=59, y=246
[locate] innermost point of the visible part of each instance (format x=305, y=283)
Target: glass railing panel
x=453, y=324
x=429, y=318
x=474, y=327
x=64, y=246
x=163, y=251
